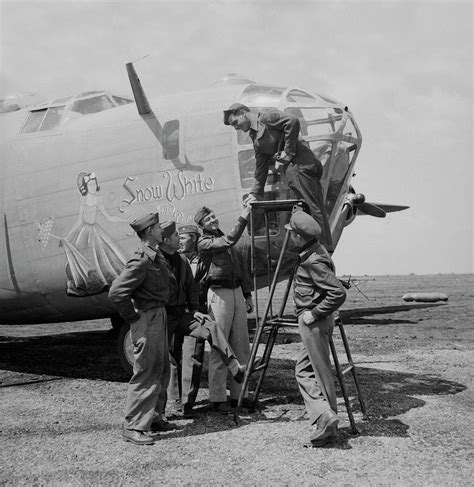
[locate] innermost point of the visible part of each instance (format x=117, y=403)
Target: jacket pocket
x=305, y=291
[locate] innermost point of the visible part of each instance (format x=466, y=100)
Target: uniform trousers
x=313, y=368
x=228, y=309
x=187, y=353
x=304, y=181
x=151, y=372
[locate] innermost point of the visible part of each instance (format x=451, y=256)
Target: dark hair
x=241, y=109
x=82, y=184
x=141, y=233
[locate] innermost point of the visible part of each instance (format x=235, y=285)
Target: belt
x=225, y=284
x=147, y=305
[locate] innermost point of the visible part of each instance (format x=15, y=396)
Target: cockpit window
x=317, y=121
x=33, y=121
x=120, y=100
x=92, y=105
x=8, y=104
x=299, y=96
x=262, y=95
x=52, y=118
x=50, y=115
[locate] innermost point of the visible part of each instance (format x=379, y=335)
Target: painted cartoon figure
x=93, y=259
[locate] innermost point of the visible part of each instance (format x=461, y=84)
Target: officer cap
x=146, y=221
x=168, y=228
x=304, y=225
x=188, y=229
x=201, y=213
x=232, y=110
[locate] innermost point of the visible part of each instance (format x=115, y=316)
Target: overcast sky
x=403, y=68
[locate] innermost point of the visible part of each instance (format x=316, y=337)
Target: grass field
x=62, y=397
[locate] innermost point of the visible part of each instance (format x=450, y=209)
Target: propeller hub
x=357, y=199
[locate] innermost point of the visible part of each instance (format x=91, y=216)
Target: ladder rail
x=276, y=322
x=259, y=331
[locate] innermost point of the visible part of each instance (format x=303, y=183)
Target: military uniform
x=273, y=131
x=183, y=302
x=140, y=293
x=317, y=290
x=228, y=285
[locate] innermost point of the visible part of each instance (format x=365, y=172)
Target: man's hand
x=249, y=304
x=250, y=198
x=308, y=318
x=281, y=158
x=284, y=157
x=201, y=317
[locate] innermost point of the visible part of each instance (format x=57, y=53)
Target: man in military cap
x=140, y=293
x=229, y=297
x=317, y=295
x=275, y=140
x=185, y=318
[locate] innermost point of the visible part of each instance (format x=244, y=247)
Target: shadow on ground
x=92, y=355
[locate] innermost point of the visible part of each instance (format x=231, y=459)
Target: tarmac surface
x=62, y=397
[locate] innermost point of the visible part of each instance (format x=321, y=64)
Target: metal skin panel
x=119, y=158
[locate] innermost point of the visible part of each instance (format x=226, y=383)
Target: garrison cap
x=201, y=213
x=305, y=225
x=146, y=221
x=232, y=110
x=188, y=229
x=168, y=228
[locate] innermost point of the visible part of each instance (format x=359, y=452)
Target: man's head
x=188, y=237
x=304, y=228
x=238, y=116
x=206, y=219
x=170, y=242
x=148, y=228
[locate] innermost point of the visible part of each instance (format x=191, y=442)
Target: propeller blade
x=391, y=208
x=371, y=209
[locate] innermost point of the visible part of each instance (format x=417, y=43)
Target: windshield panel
x=262, y=95
x=120, y=100
x=34, y=121
x=52, y=119
x=92, y=105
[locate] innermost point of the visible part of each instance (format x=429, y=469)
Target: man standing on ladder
x=275, y=140
x=317, y=295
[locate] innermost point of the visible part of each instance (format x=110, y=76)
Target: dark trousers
x=304, y=181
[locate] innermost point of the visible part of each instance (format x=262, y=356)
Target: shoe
x=162, y=425
x=138, y=437
x=221, y=408
x=240, y=374
x=325, y=429
x=188, y=412
x=174, y=408
x=246, y=403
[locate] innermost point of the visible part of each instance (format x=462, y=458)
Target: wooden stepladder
x=268, y=325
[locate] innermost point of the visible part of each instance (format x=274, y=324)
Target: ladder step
x=258, y=367
x=347, y=370
x=275, y=205
x=281, y=322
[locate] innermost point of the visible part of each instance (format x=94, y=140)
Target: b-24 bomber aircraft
x=76, y=170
